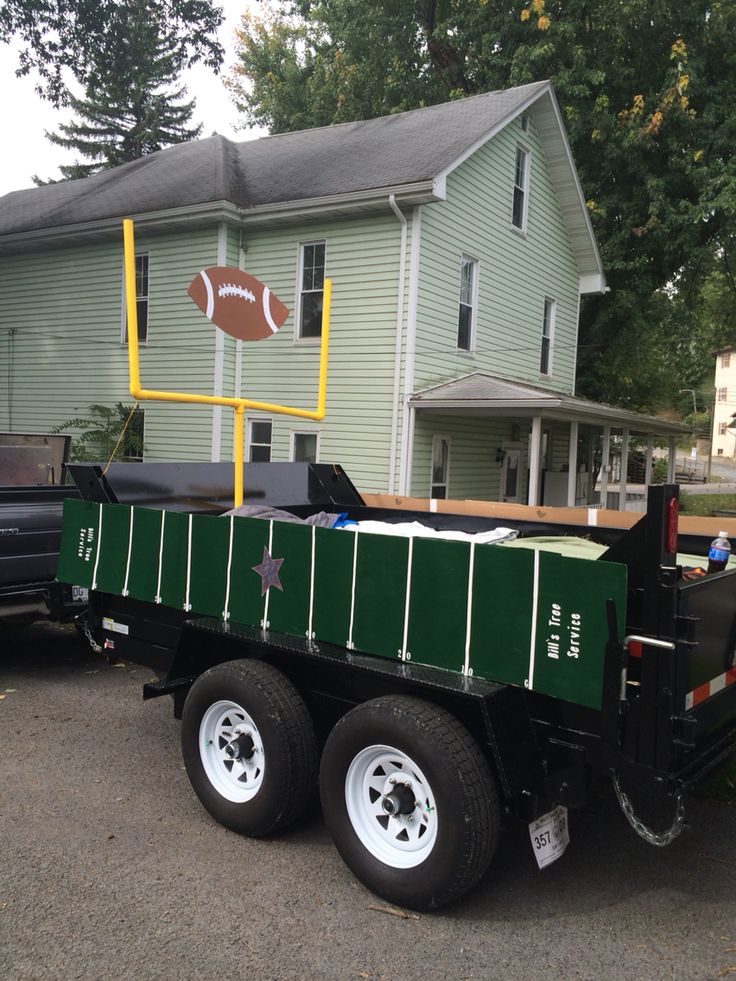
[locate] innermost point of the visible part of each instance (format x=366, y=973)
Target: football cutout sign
x=237, y=302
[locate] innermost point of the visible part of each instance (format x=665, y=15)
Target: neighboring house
x=724, y=427
x=459, y=244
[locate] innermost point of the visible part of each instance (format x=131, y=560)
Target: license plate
x=550, y=836
x=80, y=594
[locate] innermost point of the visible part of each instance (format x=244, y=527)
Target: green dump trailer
x=431, y=683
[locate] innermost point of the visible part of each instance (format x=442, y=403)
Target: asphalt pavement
x=111, y=868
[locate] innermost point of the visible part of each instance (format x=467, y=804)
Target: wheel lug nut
x=392, y=779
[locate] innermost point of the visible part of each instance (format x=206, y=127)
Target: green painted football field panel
x=380, y=594
x=333, y=576
x=143, y=574
x=174, y=559
x=78, y=542
x=114, y=540
x=438, y=603
x=288, y=608
x=503, y=584
x=208, y=564
x=572, y=626
x=250, y=537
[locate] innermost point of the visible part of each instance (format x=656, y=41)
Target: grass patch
x=705, y=504
x=722, y=785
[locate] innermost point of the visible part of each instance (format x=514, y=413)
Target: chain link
x=652, y=837
x=82, y=620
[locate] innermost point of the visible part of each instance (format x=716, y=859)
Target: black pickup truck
x=32, y=497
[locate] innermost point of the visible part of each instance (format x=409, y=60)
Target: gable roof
x=409, y=154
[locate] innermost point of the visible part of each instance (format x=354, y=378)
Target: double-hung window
x=548, y=333
x=440, y=466
x=466, y=316
x=311, y=289
x=260, y=433
x=722, y=394
x=141, y=300
x=521, y=189
x=725, y=360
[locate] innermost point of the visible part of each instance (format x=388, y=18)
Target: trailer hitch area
x=660, y=839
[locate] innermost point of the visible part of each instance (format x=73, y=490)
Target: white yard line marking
x=226, y=611
x=533, y=638
x=405, y=655
x=99, y=542
x=471, y=572
x=187, y=604
x=310, y=632
x=264, y=622
x=350, y=644
x=126, y=591
x=160, y=557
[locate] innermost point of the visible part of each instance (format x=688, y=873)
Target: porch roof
x=481, y=394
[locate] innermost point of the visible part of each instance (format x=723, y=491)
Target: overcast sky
x=26, y=116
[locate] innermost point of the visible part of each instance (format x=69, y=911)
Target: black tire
x=445, y=765
x=280, y=772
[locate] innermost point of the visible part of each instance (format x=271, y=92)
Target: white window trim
x=303, y=432
x=519, y=145
x=249, y=420
x=552, y=320
x=474, y=300
x=124, y=305
x=435, y=438
x=298, y=339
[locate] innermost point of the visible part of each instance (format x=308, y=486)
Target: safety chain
x=660, y=840
x=82, y=619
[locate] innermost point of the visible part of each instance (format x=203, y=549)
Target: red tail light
x=670, y=535
x=635, y=648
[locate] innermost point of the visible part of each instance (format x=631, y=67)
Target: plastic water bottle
x=719, y=553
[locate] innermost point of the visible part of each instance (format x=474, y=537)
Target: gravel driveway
x=111, y=868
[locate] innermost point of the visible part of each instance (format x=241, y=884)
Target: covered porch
x=532, y=446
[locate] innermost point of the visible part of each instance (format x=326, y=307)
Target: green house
x=459, y=245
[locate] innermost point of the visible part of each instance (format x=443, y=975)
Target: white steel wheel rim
x=237, y=779
x=402, y=840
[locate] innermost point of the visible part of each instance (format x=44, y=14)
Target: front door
x=510, y=477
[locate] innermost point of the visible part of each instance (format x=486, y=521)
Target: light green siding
x=516, y=272
x=60, y=333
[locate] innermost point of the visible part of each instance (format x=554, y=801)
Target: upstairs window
x=311, y=289
x=467, y=307
x=440, y=466
x=722, y=394
x=725, y=360
x=141, y=300
x=721, y=428
x=521, y=189
x=260, y=434
x=548, y=331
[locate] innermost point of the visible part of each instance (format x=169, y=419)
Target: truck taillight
x=670, y=536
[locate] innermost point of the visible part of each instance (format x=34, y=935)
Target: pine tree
x=132, y=104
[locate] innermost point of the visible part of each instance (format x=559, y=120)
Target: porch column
x=605, y=460
x=572, y=466
x=535, y=461
x=648, y=463
x=624, y=468
x=671, y=461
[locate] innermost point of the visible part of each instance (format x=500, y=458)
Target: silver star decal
x=268, y=570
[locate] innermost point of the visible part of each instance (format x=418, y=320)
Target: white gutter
x=407, y=430
x=399, y=337
x=217, y=384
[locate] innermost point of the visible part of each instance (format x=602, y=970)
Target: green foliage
x=705, y=504
x=81, y=36
x=646, y=96
x=97, y=434
x=133, y=107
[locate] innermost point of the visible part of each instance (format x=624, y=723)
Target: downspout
x=399, y=337
x=407, y=422
x=217, y=383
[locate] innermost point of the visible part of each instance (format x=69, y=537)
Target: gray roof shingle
x=346, y=159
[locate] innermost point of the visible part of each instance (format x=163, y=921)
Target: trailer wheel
x=410, y=801
x=249, y=746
